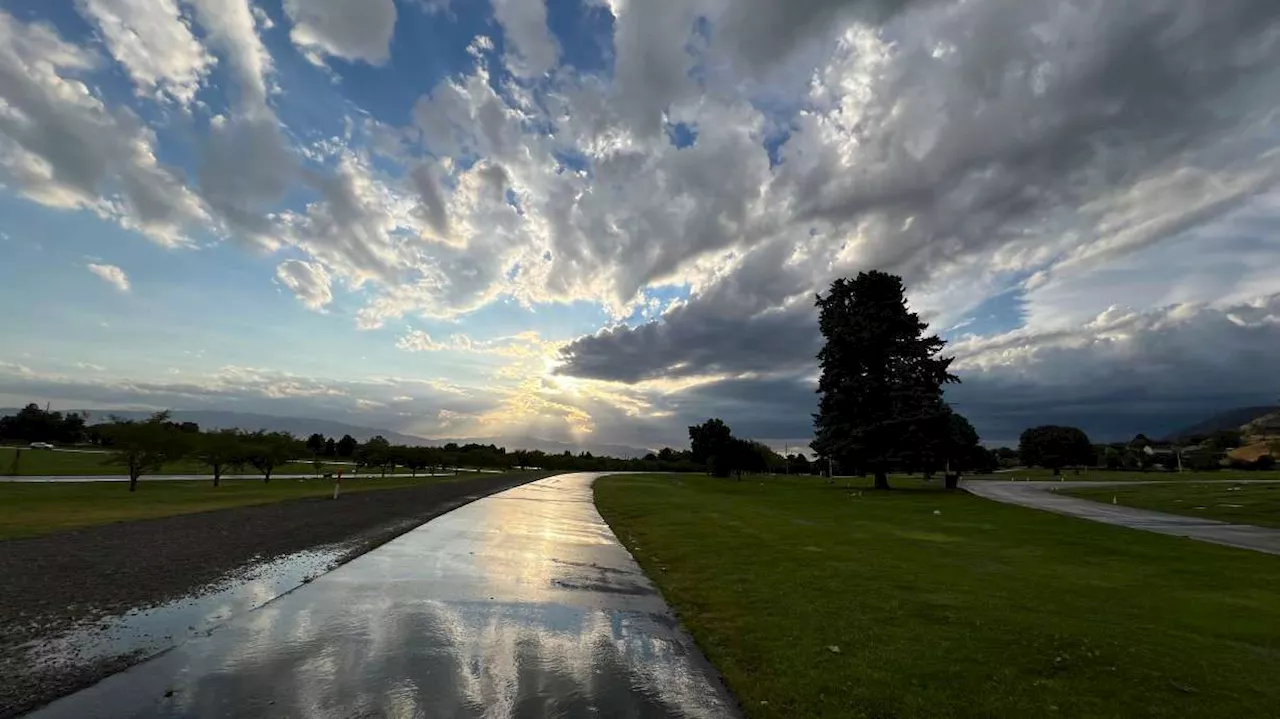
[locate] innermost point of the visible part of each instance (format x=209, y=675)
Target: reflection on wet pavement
x=519, y=604
x=148, y=631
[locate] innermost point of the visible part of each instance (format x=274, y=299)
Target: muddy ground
x=52, y=584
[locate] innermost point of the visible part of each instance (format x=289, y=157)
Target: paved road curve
x=521, y=604
x=1039, y=495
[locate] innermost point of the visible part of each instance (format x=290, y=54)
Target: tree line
x=1056, y=447
x=143, y=447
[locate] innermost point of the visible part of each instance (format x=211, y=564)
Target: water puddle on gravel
x=151, y=630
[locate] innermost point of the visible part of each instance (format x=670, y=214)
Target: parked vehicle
x=41, y=445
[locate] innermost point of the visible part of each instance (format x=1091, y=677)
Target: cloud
x=308, y=280
x=1123, y=371
x=368, y=401
x=524, y=24
x=526, y=345
x=154, y=43
x=653, y=63
x=1060, y=155
x=968, y=152
x=349, y=30
x=231, y=25
x=112, y=275
x=61, y=146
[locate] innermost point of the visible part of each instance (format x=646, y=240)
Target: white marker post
x=337, y=483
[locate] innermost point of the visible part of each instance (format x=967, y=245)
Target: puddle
x=152, y=630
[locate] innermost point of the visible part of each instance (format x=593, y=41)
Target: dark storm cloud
x=775, y=408
x=707, y=344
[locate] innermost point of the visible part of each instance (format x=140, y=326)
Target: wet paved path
x=521, y=604
x=1039, y=495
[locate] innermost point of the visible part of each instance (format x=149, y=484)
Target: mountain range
x=304, y=426
x=1231, y=419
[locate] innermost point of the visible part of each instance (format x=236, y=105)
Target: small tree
x=346, y=447
x=144, y=447
x=961, y=450
x=268, y=450
x=375, y=453
x=1055, y=447
x=417, y=459
x=219, y=451
x=315, y=444
x=709, y=440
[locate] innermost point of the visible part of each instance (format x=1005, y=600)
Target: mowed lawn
x=817, y=600
x=30, y=509
x=36, y=462
x=1224, y=501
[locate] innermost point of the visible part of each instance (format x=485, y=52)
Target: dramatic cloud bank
x=616, y=222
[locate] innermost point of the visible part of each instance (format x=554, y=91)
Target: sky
x=605, y=220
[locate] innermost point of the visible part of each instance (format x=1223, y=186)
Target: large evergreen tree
x=882, y=378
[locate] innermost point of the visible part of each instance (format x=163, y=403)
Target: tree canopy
x=33, y=424
x=708, y=440
x=882, y=377
x=144, y=447
x=1056, y=447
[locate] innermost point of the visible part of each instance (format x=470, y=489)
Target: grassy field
x=1105, y=475
x=47, y=462
x=1229, y=502
x=32, y=509
x=817, y=600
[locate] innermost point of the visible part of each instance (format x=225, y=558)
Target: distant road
x=1040, y=495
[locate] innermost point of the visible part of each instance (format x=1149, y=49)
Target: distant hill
x=1231, y=419
x=302, y=427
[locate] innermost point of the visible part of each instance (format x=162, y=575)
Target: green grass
x=28, y=509
x=948, y=605
x=1106, y=475
x=1226, y=501
x=47, y=462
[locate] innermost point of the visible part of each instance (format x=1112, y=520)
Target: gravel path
x=58, y=582
x=1041, y=495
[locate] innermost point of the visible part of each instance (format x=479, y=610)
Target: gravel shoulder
x=57, y=582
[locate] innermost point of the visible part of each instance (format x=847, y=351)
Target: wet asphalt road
x=1040, y=495
x=521, y=604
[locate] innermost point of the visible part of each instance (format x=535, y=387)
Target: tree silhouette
x=882, y=378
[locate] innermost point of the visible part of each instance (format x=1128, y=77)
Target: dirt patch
x=57, y=582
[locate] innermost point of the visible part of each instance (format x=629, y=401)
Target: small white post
x=337, y=484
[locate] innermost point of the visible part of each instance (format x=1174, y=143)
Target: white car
x=41, y=445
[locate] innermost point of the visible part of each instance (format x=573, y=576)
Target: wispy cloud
x=112, y=275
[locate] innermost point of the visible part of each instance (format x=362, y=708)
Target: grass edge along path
x=34, y=509
x=1237, y=503
x=816, y=600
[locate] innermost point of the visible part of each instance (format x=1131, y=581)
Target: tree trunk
x=133, y=481
x=384, y=471
x=413, y=472
x=882, y=479
x=953, y=480
x=1057, y=471
x=266, y=476
x=217, y=475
